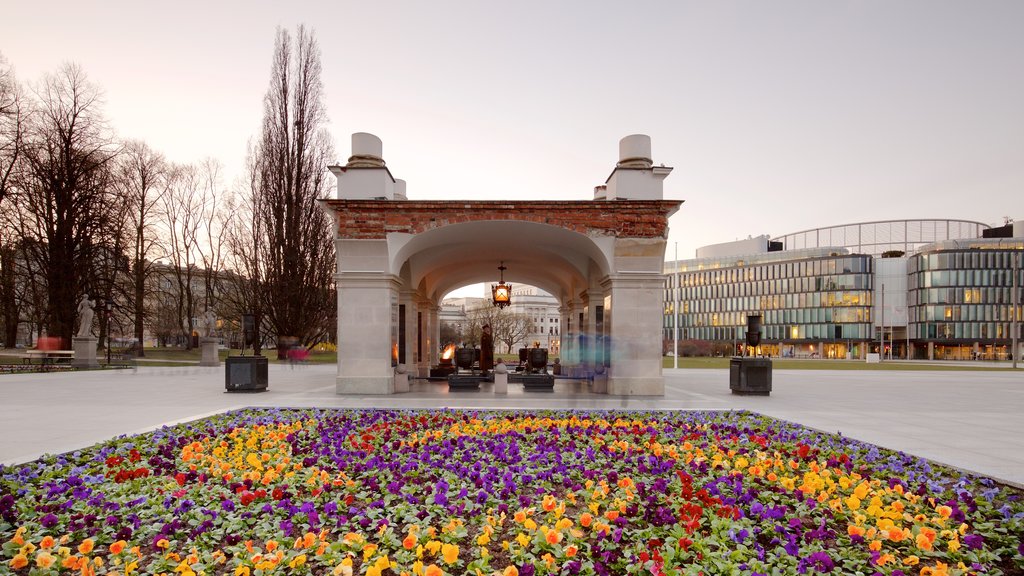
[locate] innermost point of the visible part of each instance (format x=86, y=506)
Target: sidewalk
x=966, y=419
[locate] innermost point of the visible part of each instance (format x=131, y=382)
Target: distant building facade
x=951, y=299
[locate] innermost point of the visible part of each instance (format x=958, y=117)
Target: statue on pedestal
x=85, y=314
x=209, y=323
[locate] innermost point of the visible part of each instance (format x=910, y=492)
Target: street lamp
x=109, y=307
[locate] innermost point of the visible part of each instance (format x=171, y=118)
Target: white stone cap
x=635, y=152
x=367, y=151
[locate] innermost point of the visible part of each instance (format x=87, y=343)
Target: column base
x=369, y=386
x=621, y=386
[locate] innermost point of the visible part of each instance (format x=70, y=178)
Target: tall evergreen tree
x=287, y=249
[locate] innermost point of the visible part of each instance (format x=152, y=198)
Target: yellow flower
x=44, y=559
x=297, y=561
x=342, y=570
x=450, y=553
x=853, y=503
x=87, y=545
x=242, y=571
x=911, y=560
x=433, y=546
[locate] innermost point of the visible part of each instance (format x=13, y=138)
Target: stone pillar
x=209, y=347
x=633, y=307
x=423, y=329
x=85, y=352
x=435, y=334
x=367, y=313
x=821, y=350
x=500, y=378
x=408, y=299
x=931, y=350
x=570, y=353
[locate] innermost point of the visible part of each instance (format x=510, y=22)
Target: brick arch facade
x=375, y=219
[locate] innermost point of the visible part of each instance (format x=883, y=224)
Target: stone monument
x=84, y=343
x=208, y=343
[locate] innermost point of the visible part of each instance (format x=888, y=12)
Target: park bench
x=48, y=356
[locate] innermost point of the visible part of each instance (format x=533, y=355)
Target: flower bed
x=430, y=493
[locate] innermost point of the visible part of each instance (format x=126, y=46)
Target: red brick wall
x=370, y=219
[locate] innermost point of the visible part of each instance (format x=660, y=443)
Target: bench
x=48, y=356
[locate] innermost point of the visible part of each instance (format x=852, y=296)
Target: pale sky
x=777, y=116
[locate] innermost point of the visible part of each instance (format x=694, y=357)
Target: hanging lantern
x=501, y=293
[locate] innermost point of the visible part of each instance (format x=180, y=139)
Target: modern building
x=879, y=237
x=948, y=299
x=961, y=298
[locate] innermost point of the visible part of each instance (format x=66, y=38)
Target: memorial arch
x=601, y=258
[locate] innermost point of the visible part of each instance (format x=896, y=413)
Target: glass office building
x=814, y=303
x=961, y=301
x=877, y=238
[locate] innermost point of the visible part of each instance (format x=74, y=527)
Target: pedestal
x=500, y=382
x=750, y=376
x=401, y=379
x=85, y=352
x=209, y=347
x=464, y=382
x=600, y=383
x=245, y=373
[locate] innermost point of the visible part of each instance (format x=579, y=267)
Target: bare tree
x=213, y=222
x=11, y=125
x=64, y=194
x=512, y=328
x=182, y=207
x=287, y=248
x=141, y=182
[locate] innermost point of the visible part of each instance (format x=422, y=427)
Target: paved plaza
x=971, y=420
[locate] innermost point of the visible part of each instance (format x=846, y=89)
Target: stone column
x=408, y=299
x=633, y=305
x=367, y=303
x=423, y=329
x=435, y=334
x=931, y=350
x=569, y=355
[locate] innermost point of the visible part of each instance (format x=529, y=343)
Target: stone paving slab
x=971, y=420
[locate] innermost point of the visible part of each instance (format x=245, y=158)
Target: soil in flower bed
x=514, y=493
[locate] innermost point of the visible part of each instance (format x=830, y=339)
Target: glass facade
x=961, y=297
x=876, y=238
x=815, y=298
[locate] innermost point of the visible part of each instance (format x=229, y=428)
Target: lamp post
x=109, y=307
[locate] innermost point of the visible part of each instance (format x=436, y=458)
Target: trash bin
x=245, y=373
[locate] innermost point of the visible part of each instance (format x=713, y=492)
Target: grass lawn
x=430, y=493
x=790, y=364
